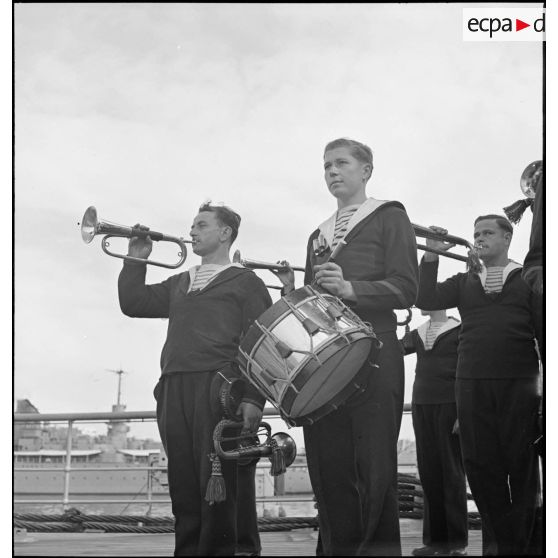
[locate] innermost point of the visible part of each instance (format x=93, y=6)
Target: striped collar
x=450, y=324
x=505, y=273
x=327, y=228
x=193, y=270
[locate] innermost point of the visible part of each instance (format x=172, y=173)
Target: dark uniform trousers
x=352, y=461
x=186, y=421
x=248, y=538
x=498, y=425
x=442, y=476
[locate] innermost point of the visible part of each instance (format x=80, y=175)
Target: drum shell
x=305, y=387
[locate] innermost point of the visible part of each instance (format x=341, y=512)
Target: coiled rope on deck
x=137, y=523
x=75, y=516
x=73, y=520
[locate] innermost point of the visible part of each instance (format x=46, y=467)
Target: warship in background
x=114, y=464
x=40, y=445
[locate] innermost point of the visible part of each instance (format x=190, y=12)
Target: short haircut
x=359, y=151
x=226, y=217
x=501, y=221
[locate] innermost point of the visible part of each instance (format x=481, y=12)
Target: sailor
x=365, y=254
x=497, y=385
x=434, y=412
x=209, y=307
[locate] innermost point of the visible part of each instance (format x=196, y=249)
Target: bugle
x=91, y=226
x=530, y=178
x=253, y=264
x=280, y=448
x=472, y=259
x=420, y=231
x=426, y=232
x=529, y=181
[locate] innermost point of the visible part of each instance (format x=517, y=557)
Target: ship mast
x=117, y=429
x=119, y=372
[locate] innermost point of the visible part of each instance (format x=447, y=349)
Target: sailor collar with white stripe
x=193, y=270
x=327, y=228
x=450, y=324
x=505, y=273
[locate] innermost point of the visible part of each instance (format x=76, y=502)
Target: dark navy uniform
x=352, y=452
x=439, y=460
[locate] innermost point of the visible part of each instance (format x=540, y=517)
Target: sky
x=146, y=111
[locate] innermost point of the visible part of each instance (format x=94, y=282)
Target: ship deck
x=299, y=542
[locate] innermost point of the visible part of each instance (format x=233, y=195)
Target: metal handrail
x=115, y=468
x=126, y=416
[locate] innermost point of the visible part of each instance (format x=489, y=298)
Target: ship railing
x=123, y=416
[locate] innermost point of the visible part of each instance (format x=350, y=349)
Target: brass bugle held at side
x=252, y=264
x=91, y=226
x=229, y=430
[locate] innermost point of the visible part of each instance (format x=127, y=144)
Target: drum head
x=324, y=382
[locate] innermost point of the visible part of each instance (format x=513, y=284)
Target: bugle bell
x=91, y=226
x=528, y=182
x=530, y=178
x=279, y=448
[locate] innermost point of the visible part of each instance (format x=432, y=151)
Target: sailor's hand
x=251, y=416
x=437, y=244
x=140, y=247
x=286, y=276
x=330, y=277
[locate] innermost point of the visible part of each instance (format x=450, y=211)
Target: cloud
x=146, y=110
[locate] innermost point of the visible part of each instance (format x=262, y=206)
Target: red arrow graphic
x=519, y=25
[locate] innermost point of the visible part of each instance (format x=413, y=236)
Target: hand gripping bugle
x=472, y=258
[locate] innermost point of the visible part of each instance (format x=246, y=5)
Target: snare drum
x=305, y=354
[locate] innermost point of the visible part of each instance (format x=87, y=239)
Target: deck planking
x=298, y=542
